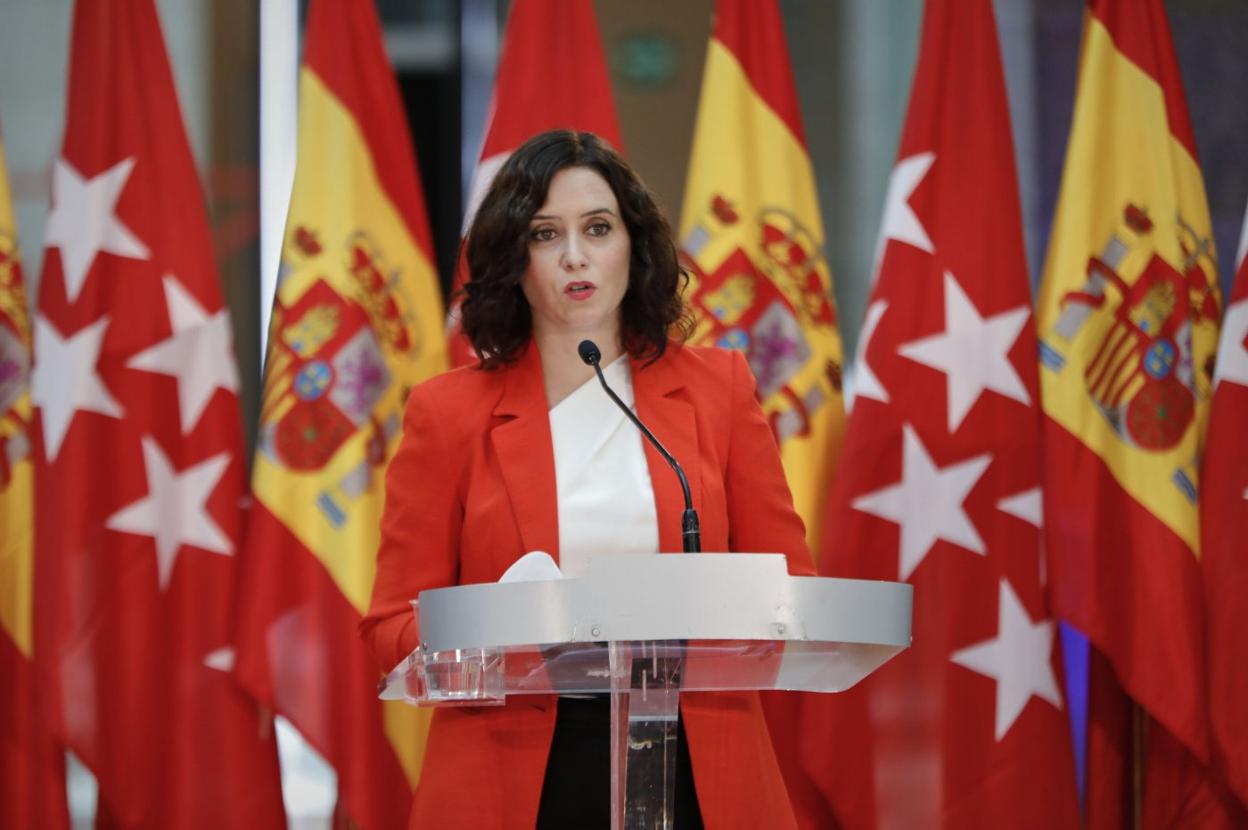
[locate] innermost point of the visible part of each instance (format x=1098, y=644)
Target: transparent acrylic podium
x=644, y=628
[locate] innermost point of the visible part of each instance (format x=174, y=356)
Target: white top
x=606, y=501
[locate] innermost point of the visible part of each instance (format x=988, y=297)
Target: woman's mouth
x=580, y=290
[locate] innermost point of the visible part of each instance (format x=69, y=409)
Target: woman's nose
x=574, y=253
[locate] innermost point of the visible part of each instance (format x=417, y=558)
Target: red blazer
x=472, y=488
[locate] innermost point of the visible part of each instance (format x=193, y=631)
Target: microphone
x=690, y=531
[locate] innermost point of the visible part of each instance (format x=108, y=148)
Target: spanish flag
x=32, y=767
x=357, y=321
x=1127, y=317
x=752, y=238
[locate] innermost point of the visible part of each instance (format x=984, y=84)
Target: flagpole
x=478, y=47
x=279, y=88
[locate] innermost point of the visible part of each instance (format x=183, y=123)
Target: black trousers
x=576, y=794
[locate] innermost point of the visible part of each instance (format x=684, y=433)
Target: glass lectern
x=644, y=628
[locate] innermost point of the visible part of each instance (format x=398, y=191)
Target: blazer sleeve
x=761, y=517
x=420, y=531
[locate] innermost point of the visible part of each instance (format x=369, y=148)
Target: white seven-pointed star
x=927, y=502
x=174, y=511
x=83, y=221
x=1018, y=659
x=868, y=385
x=64, y=379
x=1232, y=350
x=900, y=221
x=973, y=352
x=198, y=353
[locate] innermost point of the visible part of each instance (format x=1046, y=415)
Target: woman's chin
x=583, y=322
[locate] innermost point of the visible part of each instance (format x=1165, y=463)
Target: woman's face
x=578, y=257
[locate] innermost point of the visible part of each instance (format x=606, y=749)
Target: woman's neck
x=563, y=371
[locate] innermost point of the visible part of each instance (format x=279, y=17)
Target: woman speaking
x=525, y=452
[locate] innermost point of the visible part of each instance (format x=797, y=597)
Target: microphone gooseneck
x=690, y=530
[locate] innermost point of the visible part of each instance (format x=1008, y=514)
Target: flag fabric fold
x=751, y=236
x=552, y=74
x=139, y=467
x=1224, y=529
x=939, y=481
x=357, y=321
x=1127, y=315
x=32, y=768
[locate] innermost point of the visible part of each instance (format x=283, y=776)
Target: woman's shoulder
x=708, y=364
x=465, y=392
x=461, y=382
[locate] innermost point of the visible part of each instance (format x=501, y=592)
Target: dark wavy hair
x=496, y=316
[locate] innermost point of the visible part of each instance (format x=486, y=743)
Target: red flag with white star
x=1224, y=527
x=139, y=455
x=552, y=74
x=939, y=481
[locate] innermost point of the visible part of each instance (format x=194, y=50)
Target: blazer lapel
x=673, y=422
x=525, y=453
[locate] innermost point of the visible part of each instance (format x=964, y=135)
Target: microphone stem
x=690, y=532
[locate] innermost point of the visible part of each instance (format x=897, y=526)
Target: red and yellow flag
x=552, y=74
x=32, y=769
x=1128, y=322
x=357, y=321
x=752, y=236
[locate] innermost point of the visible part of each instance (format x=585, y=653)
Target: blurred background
x=852, y=59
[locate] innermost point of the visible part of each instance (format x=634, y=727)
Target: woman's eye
x=599, y=229
x=542, y=234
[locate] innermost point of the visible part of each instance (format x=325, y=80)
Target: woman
x=524, y=452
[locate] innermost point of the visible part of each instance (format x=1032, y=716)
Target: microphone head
x=588, y=350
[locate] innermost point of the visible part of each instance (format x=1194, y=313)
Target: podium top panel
x=633, y=597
